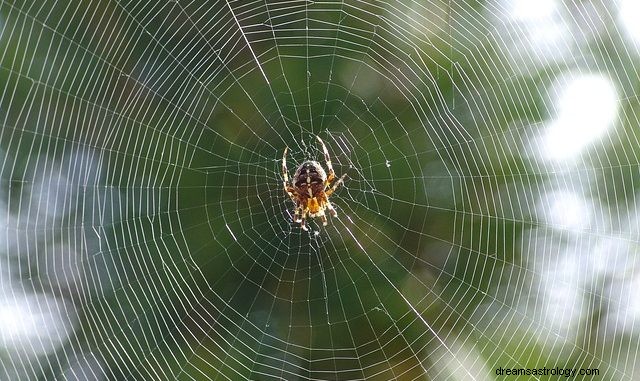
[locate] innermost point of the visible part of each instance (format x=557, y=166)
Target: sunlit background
x=489, y=218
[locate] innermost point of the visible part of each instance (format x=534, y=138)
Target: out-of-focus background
x=489, y=218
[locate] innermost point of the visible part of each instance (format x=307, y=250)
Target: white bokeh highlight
x=629, y=18
x=587, y=108
x=565, y=209
x=36, y=324
x=536, y=33
x=532, y=11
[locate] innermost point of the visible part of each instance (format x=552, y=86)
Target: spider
x=310, y=188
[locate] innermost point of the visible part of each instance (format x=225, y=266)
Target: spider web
x=488, y=218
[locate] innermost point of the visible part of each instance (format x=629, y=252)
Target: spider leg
x=291, y=192
x=285, y=174
x=300, y=213
x=337, y=183
x=284, y=164
x=296, y=214
x=324, y=219
x=331, y=175
x=303, y=221
x=331, y=209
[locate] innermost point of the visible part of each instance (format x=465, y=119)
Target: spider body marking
x=311, y=188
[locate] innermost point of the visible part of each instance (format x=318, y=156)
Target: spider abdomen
x=310, y=174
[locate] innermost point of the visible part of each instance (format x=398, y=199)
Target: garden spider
x=311, y=188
